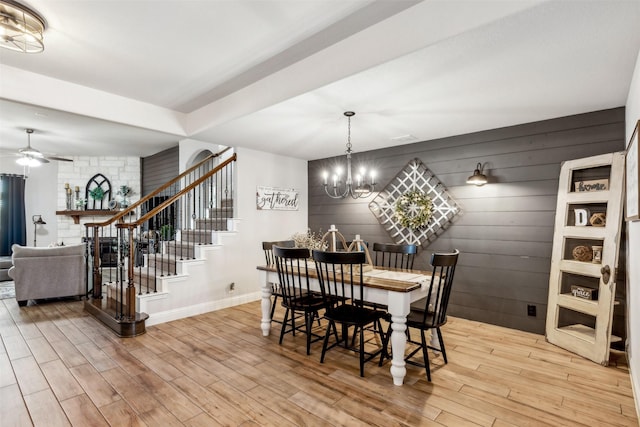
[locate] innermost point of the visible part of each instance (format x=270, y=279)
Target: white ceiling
x=135, y=77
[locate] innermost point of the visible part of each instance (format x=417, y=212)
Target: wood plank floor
x=59, y=366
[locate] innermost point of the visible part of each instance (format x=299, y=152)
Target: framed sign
x=592, y=185
x=632, y=176
x=272, y=198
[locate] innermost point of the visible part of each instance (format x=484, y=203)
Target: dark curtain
x=13, y=226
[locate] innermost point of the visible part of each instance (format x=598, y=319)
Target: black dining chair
x=267, y=247
x=340, y=276
x=430, y=312
x=394, y=255
x=297, y=297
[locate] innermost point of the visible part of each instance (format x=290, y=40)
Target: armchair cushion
x=48, y=272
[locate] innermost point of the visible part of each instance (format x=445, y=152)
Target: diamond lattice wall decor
x=415, y=175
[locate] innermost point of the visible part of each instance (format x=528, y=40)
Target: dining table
x=393, y=288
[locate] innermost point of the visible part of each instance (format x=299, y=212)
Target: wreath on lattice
x=413, y=209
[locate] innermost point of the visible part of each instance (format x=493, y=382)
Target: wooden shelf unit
x=576, y=324
x=77, y=214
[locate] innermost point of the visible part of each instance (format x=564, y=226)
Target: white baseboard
x=193, y=310
x=635, y=384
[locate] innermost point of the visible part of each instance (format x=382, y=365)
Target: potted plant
x=166, y=232
x=124, y=192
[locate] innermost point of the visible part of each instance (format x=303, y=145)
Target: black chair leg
x=361, y=351
x=355, y=334
x=385, y=345
x=383, y=351
x=293, y=323
x=326, y=338
x=273, y=306
x=444, y=353
x=425, y=355
x=308, y=320
x=284, y=325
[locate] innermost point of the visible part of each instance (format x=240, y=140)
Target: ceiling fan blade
x=60, y=159
x=29, y=152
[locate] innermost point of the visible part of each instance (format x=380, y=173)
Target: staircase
x=171, y=268
x=154, y=273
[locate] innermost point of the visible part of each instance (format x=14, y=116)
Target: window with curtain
x=13, y=227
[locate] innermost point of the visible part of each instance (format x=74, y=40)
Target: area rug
x=7, y=290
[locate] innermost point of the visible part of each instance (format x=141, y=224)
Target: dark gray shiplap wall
x=505, y=230
x=159, y=168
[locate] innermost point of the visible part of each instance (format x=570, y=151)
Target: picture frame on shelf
x=632, y=174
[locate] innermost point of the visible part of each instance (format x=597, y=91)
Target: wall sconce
x=478, y=178
x=37, y=220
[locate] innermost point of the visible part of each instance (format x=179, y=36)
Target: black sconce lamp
x=478, y=178
x=37, y=220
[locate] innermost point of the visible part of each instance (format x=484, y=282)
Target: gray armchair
x=48, y=272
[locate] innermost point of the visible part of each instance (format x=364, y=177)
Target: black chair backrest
x=340, y=276
x=444, y=267
x=395, y=256
x=267, y=247
x=293, y=272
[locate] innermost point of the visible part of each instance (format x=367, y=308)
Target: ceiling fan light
x=29, y=162
x=20, y=28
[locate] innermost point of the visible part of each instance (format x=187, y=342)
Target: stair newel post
x=131, y=289
x=97, y=276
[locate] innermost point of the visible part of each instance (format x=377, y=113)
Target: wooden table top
x=379, y=278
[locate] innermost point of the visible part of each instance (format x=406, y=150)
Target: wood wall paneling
x=505, y=229
x=159, y=168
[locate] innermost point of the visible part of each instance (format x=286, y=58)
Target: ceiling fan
x=29, y=156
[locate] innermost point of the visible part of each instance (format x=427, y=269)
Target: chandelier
x=339, y=189
x=20, y=28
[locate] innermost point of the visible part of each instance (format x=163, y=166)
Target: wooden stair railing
x=203, y=191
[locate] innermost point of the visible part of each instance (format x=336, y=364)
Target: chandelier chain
x=348, y=134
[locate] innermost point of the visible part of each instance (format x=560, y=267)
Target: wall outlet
x=232, y=287
x=531, y=310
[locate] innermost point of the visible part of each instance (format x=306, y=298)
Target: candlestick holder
x=79, y=202
x=69, y=197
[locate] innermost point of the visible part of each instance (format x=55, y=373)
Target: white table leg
x=435, y=344
x=265, y=286
x=398, y=308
